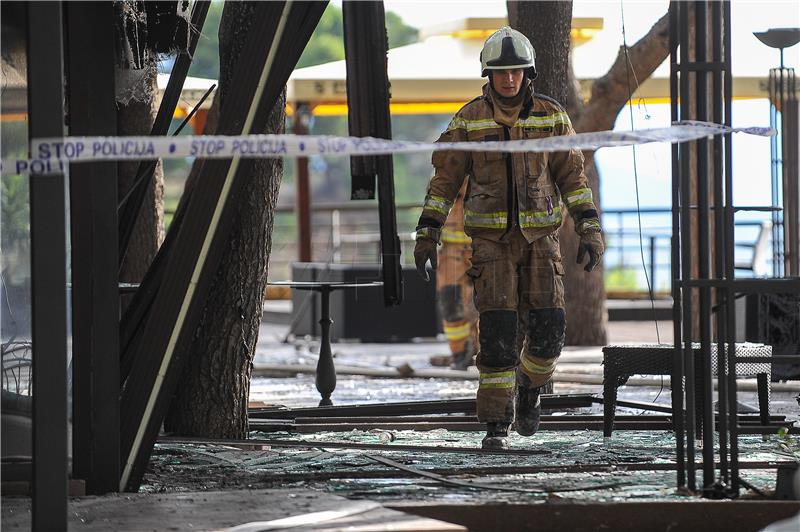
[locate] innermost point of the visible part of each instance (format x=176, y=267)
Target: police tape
x=51, y=154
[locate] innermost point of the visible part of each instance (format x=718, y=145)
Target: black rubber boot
x=496, y=436
x=527, y=410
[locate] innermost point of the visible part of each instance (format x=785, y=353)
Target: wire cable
x=628, y=69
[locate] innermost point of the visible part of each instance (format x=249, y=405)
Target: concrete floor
x=215, y=486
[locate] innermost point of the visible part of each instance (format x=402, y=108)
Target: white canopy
x=444, y=69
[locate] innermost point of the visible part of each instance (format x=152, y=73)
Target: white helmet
x=505, y=49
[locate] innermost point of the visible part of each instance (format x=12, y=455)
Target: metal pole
x=789, y=155
x=703, y=226
x=652, y=267
x=777, y=216
x=368, y=99
x=675, y=244
x=729, y=243
x=686, y=255
x=719, y=241
x=48, y=271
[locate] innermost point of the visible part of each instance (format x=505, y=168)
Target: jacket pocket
x=535, y=162
x=485, y=208
x=541, y=208
x=488, y=166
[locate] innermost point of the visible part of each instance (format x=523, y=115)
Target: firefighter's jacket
x=504, y=190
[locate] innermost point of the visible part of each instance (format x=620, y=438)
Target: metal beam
x=365, y=45
x=48, y=272
x=95, y=292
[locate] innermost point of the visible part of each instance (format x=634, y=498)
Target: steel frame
x=695, y=291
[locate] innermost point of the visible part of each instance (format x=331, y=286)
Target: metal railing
x=347, y=233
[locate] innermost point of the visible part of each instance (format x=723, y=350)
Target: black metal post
x=719, y=241
x=368, y=96
x=706, y=390
x=686, y=252
x=675, y=243
x=733, y=422
x=48, y=272
x=95, y=292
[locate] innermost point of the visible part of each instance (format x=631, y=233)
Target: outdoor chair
x=620, y=362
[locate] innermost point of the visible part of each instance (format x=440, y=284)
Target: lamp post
x=784, y=155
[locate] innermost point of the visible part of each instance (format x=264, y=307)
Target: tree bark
x=548, y=25
x=212, y=399
x=136, y=118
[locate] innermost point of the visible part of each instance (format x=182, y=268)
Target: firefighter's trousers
x=512, y=277
x=455, y=296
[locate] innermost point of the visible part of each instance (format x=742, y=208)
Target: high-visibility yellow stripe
x=502, y=379
x=539, y=218
x=589, y=224
x=491, y=220
x=538, y=122
x=534, y=122
x=471, y=125
x=497, y=220
x=438, y=204
x=538, y=369
x=428, y=232
x=497, y=374
x=458, y=332
x=578, y=197
x=499, y=385
x=455, y=237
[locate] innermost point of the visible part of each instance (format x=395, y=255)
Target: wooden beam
x=95, y=290
x=48, y=272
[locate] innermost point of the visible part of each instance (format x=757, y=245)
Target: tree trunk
x=136, y=118
x=213, y=395
x=548, y=25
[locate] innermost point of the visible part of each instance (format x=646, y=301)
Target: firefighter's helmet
x=506, y=49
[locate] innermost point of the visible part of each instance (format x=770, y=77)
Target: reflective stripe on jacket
x=531, y=197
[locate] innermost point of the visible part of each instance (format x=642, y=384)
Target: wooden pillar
x=48, y=272
x=95, y=282
x=302, y=116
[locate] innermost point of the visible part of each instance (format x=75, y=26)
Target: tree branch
x=610, y=93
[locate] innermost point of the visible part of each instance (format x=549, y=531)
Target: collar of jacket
x=506, y=110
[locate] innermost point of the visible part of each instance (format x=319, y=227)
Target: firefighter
x=512, y=211
x=454, y=288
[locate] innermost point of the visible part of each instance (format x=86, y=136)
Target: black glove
x=425, y=250
x=591, y=242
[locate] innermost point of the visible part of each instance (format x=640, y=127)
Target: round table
x=326, y=372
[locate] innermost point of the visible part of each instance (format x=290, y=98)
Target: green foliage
x=15, y=219
x=322, y=48
x=205, y=63
x=399, y=32
x=14, y=206
x=326, y=43
x=621, y=279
